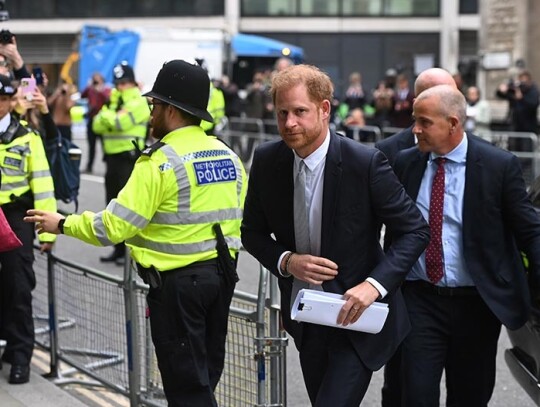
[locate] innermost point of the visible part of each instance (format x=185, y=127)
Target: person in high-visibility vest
x=216, y=107
x=121, y=122
x=180, y=189
x=26, y=183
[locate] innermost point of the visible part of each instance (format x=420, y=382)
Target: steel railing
x=96, y=324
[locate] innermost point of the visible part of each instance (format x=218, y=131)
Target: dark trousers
x=391, y=390
x=188, y=317
x=91, y=139
x=457, y=334
x=17, y=280
x=333, y=373
x=119, y=168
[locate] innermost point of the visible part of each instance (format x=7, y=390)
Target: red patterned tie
x=434, y=254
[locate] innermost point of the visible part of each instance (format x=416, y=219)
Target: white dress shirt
x=4, y=123
x=315, y=164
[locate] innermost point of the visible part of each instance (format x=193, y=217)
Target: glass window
x=468, y=6
x=198, y=7
x=268, y=8
x=107, y=8
x=411, y=7
x=319, y=7
x=30, y=9
x=362, y=7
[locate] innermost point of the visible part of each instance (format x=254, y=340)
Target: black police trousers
x=17, y=280
x=188, y=317
x=119, y=168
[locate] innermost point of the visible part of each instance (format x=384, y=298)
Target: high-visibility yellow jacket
x=175, y=194
x=216, y=107
x=25, y=168
x=124, y=119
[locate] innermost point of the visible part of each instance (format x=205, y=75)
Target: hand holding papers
x=319, y=307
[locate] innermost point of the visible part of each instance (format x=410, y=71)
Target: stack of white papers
x=319, y=307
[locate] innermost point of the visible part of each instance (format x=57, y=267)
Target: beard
x=158, y=127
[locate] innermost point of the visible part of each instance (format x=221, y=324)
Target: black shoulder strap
x=13, y=131
x=223, y=141
x=148, y=151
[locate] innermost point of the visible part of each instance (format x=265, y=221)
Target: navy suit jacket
x=392, y=145
x=498, y=221
x=360, y=191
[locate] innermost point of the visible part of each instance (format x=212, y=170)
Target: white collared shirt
x=4, y=123
x=315, y=164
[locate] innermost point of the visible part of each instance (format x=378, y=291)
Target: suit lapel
x=332, y=185
x=283, y=185
x=415, y=173
x=408, y=141
x=473, y=184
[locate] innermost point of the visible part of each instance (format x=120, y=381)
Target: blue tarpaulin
x=247, y=45
x=100, y=50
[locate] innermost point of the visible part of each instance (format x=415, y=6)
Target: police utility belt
x=225, y=262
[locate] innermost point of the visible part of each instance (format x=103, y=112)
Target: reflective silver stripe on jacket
x=117, y=121
x=168, y=218
x=100, y=231
x=8, y=186
x=40, y=174
x=43, y=195
x=182, y=248
x=126, y=214
x=184, y=216
x=12, y=171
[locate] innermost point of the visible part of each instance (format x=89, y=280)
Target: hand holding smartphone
x=38, y=74
x=28, y=86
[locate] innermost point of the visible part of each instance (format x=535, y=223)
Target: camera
x=6, y=37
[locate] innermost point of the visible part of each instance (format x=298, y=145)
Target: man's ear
x=454, y=122
x=325, y=107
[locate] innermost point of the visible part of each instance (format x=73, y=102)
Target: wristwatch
x=61, y=225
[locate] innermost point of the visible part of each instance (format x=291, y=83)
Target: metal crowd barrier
x=523, y=145
x=388, y=131
x=243, y=135
x=96, y=324
x=368, y=135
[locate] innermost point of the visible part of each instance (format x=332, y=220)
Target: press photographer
x=522, y=96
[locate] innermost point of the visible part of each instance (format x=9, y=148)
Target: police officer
x=216, y=104
x=26, y=183
x=190, y=183
x=120, y=122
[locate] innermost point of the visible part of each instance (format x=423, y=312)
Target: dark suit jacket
x=498, y=221
x=392, y=145
x=360, y=191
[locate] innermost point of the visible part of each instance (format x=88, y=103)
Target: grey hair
x=452, y=101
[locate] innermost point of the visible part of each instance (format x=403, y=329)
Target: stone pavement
x=39, y=392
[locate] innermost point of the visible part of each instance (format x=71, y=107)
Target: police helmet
x=123, y=73
x=6, y=88
x=185, y=86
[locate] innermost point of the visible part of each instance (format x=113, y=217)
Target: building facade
x=340, y=36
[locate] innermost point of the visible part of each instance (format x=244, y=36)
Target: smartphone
x=28, y=86
x=38, y=74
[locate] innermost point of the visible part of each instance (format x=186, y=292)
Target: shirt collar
x=4, y=123
x=458, y=154
x=314, y=159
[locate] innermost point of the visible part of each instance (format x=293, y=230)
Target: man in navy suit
x=471, y=277
x=391, y=146
x=349, y=191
